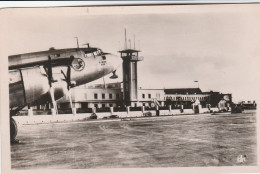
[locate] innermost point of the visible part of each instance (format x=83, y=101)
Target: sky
x=217, y=45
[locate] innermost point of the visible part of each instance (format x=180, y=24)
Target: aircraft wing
x=58, y=57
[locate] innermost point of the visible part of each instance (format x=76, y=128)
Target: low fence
x=105, y=113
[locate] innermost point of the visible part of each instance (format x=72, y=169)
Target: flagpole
x=198, y=83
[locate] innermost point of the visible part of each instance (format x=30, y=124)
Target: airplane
x=47, y=76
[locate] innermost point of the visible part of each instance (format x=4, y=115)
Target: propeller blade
x=53, y=100
x=49, y=67
x=70, y=99
x=68, y=77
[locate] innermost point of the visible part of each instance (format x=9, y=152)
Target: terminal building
x=111, y=95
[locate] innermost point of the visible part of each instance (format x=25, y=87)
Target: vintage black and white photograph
x=160, y=86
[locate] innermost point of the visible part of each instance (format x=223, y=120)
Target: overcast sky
x=217, y=45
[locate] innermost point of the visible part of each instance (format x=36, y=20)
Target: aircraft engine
x=27, y=85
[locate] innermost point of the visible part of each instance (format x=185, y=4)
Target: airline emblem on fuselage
x=78, y=64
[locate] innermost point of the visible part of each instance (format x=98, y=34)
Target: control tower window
x=124, y=54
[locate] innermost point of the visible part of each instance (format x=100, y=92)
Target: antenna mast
x=77, y=42
x=130, y=43
x=134, y=42
x=125, y=40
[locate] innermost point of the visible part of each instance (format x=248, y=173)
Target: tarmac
x=172, y=141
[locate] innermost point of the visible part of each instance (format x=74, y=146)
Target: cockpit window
x=99, y=52
x=95, y=53
x=88, y=54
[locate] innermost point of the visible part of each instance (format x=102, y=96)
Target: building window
x=143, y=95
x=143, y=104
x=110, y=96
x=96, y=105
x=103, y=96
x=95, y=96
x=149, y=95
x=110, y=105
x=103, y=105
x=117, y=96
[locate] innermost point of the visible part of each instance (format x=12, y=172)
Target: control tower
x=130, y=83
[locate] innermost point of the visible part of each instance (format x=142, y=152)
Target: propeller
x=51, y=81
x=59, y=87
x=69, y=84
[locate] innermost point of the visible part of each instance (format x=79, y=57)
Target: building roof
x=211, y=92
x=183, y=91
x=129, y=51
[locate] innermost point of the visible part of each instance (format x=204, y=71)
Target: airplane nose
x=115, y=61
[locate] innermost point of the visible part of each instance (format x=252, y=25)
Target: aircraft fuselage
x=29, y=74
